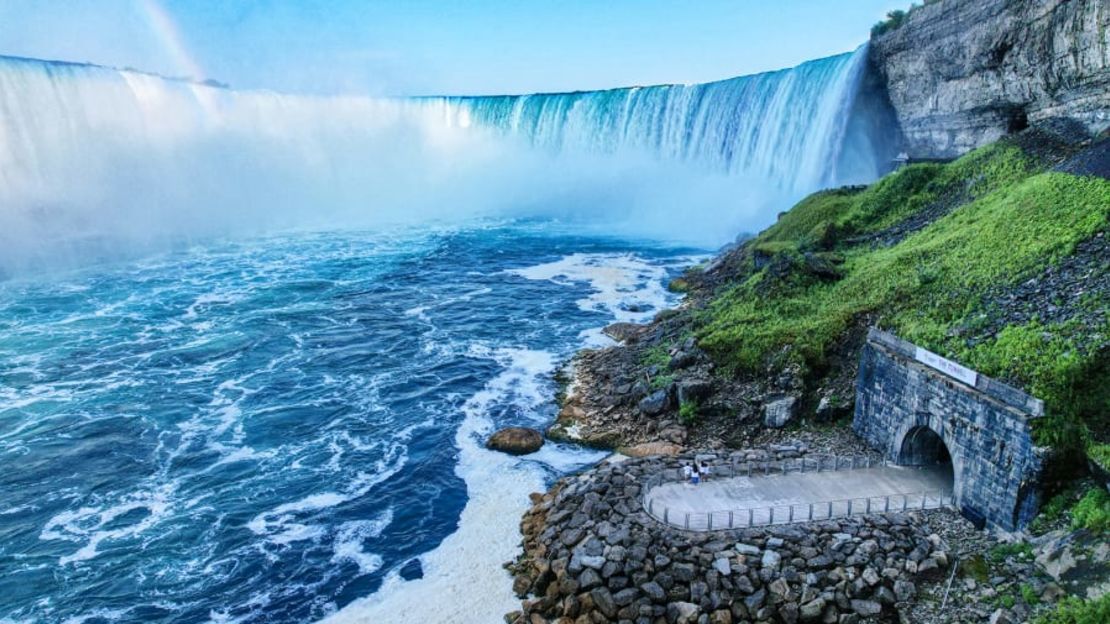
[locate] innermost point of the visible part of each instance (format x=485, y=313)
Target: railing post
x=791, y=519
x=749, y=470
x=666, y=515
x=849, y=507
x=772, y=521
x=905, y=501
x=730, y=519
x=886, y=504
x=868, y=504
x=710, y=522
x=751, y=516
x=811, y=511
x=687, y=521
x=830, y=510
x=923, y=500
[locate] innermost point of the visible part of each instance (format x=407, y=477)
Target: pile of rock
x=593, y=555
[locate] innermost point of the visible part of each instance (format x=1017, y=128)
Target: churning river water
x=289, y=428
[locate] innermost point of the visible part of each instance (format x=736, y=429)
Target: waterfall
x=787, y=127
x=98, y=162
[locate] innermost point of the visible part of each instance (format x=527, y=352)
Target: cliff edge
x=962, y=74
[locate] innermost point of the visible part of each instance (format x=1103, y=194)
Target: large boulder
x=653, y=449
x=778, y=413
x=516, y=441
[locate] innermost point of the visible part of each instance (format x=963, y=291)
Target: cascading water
x=95, y=161
x=787, y=128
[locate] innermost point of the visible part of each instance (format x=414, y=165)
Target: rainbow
x=165, y=29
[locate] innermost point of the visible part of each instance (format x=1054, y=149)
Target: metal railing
x=784, y=514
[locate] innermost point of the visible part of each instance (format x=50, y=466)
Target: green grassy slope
x=918, y=250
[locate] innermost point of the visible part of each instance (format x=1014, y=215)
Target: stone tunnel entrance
x=920, y=409
x=924, y=448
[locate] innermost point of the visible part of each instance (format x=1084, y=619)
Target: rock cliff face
x=962, y=73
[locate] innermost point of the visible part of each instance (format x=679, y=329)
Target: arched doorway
x=924, y=448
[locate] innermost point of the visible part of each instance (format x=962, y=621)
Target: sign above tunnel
x=946, y=366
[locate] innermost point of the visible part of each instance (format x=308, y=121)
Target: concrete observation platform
x=721, y=503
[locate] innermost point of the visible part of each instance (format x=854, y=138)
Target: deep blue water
x=263, y=431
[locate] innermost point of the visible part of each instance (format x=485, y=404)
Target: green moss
x=1076, y=611
x=678, y=285
x=1092, y=512
x=1006, y=222
x=688, y=412
x=975, y=567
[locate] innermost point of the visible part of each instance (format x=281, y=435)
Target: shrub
x=1092, y=512
x=688, y=412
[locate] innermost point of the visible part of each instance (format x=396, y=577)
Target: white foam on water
x=280, y=525
x=349, y=538
x=627, y=287
x=85, y=524
x=464, y=574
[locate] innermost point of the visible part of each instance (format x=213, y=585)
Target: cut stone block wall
x=985, y=427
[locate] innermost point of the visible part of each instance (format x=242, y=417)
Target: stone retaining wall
x=593, y=555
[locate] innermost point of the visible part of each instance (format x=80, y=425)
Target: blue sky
x=426, y=47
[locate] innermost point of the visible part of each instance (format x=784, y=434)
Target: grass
x=1017, y=550
x=1007, y=221
x=1077, y=611
x=1092, y=512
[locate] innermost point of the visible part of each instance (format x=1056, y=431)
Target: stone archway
x=924, y=448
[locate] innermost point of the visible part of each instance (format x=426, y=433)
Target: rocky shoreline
x=592, y=554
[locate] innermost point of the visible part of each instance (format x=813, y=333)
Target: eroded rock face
x=962, y=74
x=516, y=441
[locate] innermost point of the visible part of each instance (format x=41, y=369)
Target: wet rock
x=516, y=441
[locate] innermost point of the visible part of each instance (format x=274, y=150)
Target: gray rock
x=756, y=600
x=771, y=560
x=722, y=566
x=626, y=596
x=866, y=608
x=779, y=413
x=683, y=572
x=655, y=403
x=747, y=549
x=603, y=600
x=588, y=580
x=904, y=590
x=682, y=613
x=654, y=592
x=812, y=610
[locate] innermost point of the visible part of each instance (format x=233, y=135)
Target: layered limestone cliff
x=962, y=73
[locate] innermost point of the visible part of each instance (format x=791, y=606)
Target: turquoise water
x=267, y=430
